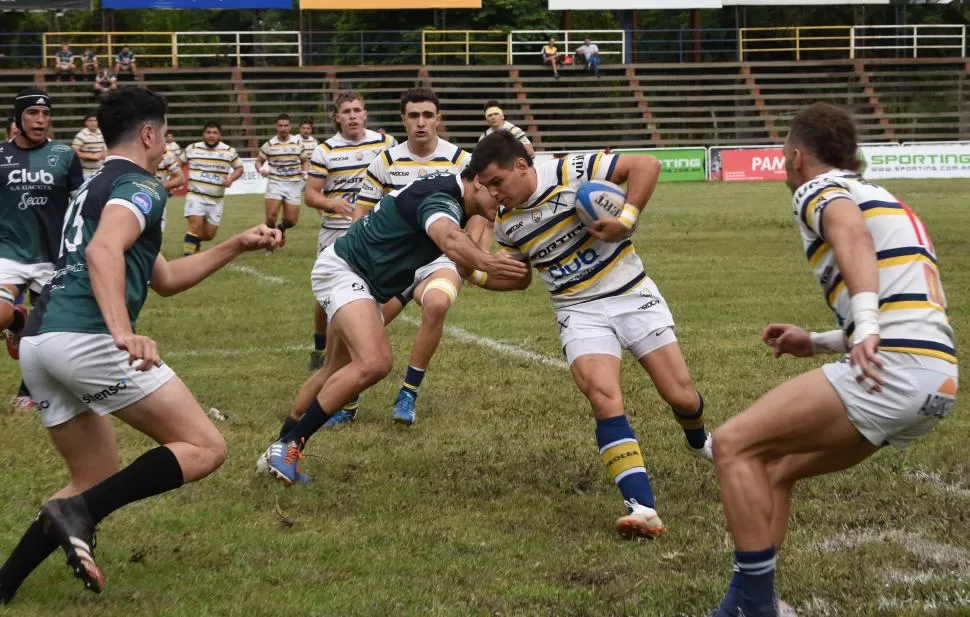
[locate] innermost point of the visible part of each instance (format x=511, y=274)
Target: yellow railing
x=153, y=45
x=465, y=44
x=801, y=41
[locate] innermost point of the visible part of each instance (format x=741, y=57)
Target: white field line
x=489, y=343
x=936, y=481
x=269, y=278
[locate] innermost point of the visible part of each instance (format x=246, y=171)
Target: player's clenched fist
x=260, y=237
x=501, y=265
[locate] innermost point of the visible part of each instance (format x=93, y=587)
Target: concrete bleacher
x=644, y=105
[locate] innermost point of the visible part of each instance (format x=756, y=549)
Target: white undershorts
x=209, y=207
x=32, y=275
x=328, y=236
x=68, y=373
x=443, y=262
x=910, y=403
x=638, y=321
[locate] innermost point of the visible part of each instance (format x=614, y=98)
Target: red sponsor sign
x=764, y=164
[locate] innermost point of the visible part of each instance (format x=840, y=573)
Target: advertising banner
x=350, y=5
x=752, y=164
x=248, y=183
x=678, y=164
x=917, y=161
x=44, y=5
x=193, y=4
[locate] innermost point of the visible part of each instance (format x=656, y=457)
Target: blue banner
x=197, y=4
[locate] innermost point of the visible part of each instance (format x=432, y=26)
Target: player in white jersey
x=170, y=174
x=436, y=285
x=603, y=300
x=283, y=160
x=171, y=146
x=336, y=174
x=495, y=118
x=89, y=146
x=897, y=377
x=307, y=139
x=213, y=167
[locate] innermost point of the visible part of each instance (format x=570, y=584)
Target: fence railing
x=264, y=48
x=817, y=42
x=267, y=48
x=525, y=46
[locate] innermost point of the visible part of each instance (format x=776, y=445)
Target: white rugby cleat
x=642, y=522
x=706, y=451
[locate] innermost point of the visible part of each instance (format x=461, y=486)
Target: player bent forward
x=81, y=357
x=376, y=259
x=897, y=379
x=604, y=301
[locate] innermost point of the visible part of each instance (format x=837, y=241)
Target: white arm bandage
x=865, y=315
x=832, y=341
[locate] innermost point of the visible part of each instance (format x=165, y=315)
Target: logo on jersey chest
x=582, y=258
x=31, y=201
x=536, y=216
x=52, y=160
x=405, y=174
x=19, y=176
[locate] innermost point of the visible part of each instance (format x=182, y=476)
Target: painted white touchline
x=936, y=481
x=269, y=278
x=489, y=343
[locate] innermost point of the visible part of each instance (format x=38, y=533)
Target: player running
x=38, y=177
x=307, y=140
x=436, y=285
x=213, y=167
x=82, y=359
x=336, y=174
x=604, y=301
x=375, y=260
x=896, y=379
x=283, y=159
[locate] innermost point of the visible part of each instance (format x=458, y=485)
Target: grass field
x=495, y=502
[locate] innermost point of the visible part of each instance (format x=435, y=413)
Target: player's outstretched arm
x=456, y=244
x=172, y=277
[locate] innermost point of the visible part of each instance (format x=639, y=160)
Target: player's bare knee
x=728, y=445
x=682, y=397
x=605, y=400
x=375, y=367
x=214, y=450
x=435, y=307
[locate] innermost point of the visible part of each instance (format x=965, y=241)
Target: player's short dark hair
x=491, y=103
x=89, y=116
x=499, y=147
x=283, y=117
x=419, y=95
x=306, y=121
x=829, y=133
x=212, y=124
x=123, y=113
x=167, y=133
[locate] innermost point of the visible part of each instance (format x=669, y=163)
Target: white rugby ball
x=599, y=199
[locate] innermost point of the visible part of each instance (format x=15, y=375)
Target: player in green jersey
x=83, y=361
x=36, y=177
x=375, y=260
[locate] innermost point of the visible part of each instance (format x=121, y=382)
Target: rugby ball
x=599, y=199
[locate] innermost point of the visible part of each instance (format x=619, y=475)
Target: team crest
x=422, y=173
x=536, y=216
x=52, y=160
x=359, y=156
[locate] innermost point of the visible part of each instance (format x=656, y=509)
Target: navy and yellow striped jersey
x=511, y=128
x=285, y=158
x=344, y=164
x=309, y=144
x=397, y=167
x=912, y=305
x=209, y=168
x=545, y=231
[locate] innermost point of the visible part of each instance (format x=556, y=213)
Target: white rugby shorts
x=34, y=276
x=918, y=393
x=443, y=262
x=290, y=193
x=200, y=205
x=327, y=237
x=335, y=284
x=68, y=373
x=638, y=321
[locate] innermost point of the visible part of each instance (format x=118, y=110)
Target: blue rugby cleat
x=404, y=408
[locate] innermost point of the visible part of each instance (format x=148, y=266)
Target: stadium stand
x=630, y=105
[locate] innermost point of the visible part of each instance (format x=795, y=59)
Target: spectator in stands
x=125, y=64
x=11, y=130
x=550, y=55
x=590, y=52
x=89, y=145
x=64, y=63
x=104, y=82
x=89, y=62
x=495, y=118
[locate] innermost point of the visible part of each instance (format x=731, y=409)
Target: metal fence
x=429, y=46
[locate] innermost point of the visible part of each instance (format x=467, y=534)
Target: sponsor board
x=751, y=164
x=677, y=164
x=249, y=182
x=917, y=161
